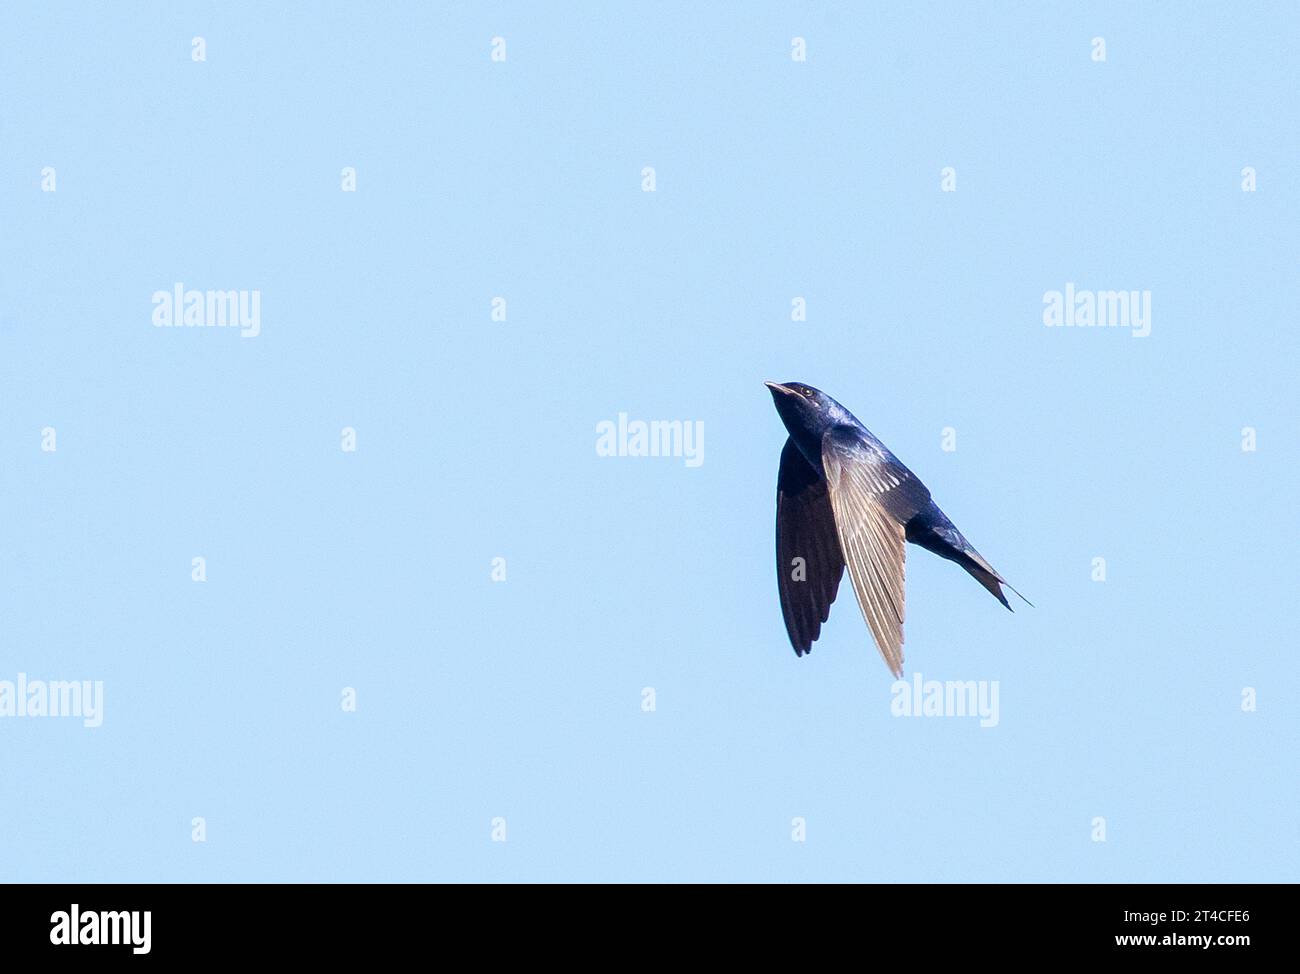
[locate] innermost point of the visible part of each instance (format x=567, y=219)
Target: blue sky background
x=476, y=439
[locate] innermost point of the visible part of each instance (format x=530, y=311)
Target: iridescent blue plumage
x=843, y=499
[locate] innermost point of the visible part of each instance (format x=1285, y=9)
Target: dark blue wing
x=809, y=564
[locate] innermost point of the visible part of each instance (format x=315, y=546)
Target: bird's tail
x=934, y=532
x=983, y=573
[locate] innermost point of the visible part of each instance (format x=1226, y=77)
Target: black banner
x=144, y=924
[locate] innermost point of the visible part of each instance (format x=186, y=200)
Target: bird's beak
x=777, y=387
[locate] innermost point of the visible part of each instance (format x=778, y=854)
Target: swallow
x=843, y=499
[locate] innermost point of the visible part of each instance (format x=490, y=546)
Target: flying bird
x=843, y=499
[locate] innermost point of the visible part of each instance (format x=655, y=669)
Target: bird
x=843, y=499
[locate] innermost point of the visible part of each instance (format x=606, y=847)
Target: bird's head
x=804, y=410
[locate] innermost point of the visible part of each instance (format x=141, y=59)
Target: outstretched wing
x=871, y=494
x=809, y=564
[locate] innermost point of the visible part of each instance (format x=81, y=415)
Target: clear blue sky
x=476, y=439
